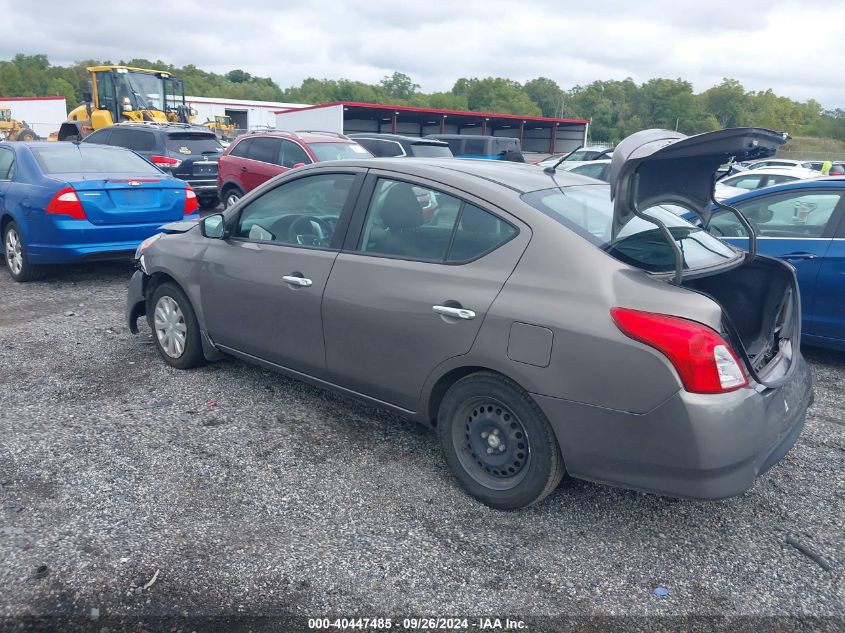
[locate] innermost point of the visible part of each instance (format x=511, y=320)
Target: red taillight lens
x=165, y=161
x=702, y=358
x=191, y=203
x=66, y=202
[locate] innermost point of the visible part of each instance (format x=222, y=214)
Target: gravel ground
x=241, y=492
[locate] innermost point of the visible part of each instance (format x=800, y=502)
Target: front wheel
x=498, y=443
x=175, y=328
x=17, y=257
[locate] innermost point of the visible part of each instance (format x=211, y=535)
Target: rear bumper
x=79, y=240
x=203, y=186
x=693, y=445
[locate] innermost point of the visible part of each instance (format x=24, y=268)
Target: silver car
x=544, y=324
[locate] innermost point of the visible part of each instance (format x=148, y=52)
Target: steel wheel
x=231, y=198
x=492, y=444
x=14, y=251
x=170, y=328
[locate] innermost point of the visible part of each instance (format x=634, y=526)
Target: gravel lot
x=239, y=491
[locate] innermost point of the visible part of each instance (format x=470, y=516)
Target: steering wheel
x=310, y=230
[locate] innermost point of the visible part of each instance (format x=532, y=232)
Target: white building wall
x=42, y=114
x=328, y=119
x=256, y=113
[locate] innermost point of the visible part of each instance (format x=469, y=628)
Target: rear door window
x=382, y=148
x=144, y=141
x=265, y=149
x=121, y=137
x=192, y=143
x=408, y=221
x=475, y=147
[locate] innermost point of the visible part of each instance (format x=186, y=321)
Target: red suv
x=254, y=158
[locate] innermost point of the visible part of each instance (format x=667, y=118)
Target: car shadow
x=824, y=355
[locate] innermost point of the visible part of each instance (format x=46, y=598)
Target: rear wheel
x=175, y=328
x=498, y=443
x=17, y=259
x=231, y=196
x=26, y=135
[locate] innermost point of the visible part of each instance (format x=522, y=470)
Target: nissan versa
x=544, y=324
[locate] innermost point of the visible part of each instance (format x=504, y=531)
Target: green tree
x=546, y=94
x=62, y=88
x=399, y=87
x=728, y=102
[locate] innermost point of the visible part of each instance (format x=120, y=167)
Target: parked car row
x=462, y=294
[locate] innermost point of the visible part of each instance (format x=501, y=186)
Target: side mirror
x=213, y=226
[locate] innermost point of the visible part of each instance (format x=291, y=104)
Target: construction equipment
x=123, y=93
x=222, y=126
x=13, y=130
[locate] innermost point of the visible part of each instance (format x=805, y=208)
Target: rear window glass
x=90, y=159
x=430, y=151
x=338, y=151
x=588, y=211
x=193, y=142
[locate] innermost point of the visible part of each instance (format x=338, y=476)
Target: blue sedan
x=802, y=222
x=64, y=202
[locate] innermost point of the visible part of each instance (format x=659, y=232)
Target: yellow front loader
x=122, y=93
x=222, y=126
x=13, y=130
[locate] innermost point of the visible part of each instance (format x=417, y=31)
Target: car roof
x=777, y=171
x=825, y=182
x=399, y=137
x=518, y=177
x=572, y=164
x=159, y=127
x=305, y=136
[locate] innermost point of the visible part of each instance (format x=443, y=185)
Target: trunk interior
x=760, y=301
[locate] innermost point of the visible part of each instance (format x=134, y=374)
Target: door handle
x=302, y=282
x=457, y=313
x=799, y=256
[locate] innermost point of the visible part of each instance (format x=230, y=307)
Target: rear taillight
x=66, y=202
x=191, y=203
x=165, y=161
x=702, y=358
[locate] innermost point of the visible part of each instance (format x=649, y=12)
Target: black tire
x=208, y=202
x=191, y=351
x=19, y=266
x=525, y=464
x=27, y=135
x=231, y=195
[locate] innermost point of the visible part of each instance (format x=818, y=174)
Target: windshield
x=67, y=158
x=338, y=151
x=588, y=211
x=430, y=151
x=143, y=90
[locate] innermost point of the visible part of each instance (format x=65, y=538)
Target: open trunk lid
x=759, y=298
x=654, y=167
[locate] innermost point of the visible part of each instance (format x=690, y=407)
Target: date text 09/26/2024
x=418, y=624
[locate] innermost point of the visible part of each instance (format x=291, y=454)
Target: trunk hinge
x=752, y=236
x=679, y=255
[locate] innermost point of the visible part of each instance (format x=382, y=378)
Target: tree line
x=615, y=108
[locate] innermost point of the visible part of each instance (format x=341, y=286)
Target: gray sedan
x=540, y=327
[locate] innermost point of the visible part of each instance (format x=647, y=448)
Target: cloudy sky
x=795, y=48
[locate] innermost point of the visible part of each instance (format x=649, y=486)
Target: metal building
x=536, y=134
x=42, y=114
